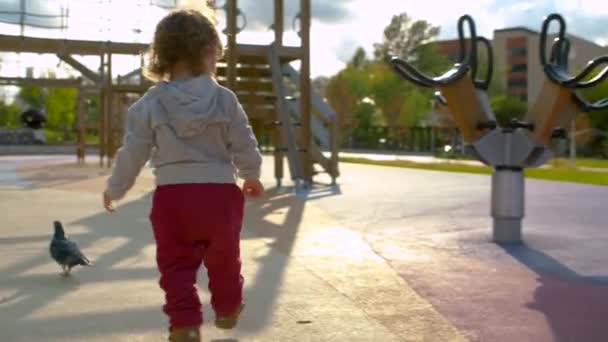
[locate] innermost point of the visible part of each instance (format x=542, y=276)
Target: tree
x=32, y=96
x=359, y=59
x=60, y=104
x=403, y=36
x=507, y=108
x=319, y=85
x=598, y=119
x=497, y=86
x=344, y=90
x=402, y=103
x=9, y=115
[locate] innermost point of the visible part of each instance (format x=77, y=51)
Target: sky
x=339, y=26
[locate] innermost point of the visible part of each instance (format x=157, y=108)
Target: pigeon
x=65, y=252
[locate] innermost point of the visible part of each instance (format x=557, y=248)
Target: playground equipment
x=275, y=94
x=272, y=92
x=519, y=144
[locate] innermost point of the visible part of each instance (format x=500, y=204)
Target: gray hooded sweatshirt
x=194, y=131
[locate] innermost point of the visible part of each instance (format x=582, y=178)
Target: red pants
x=196, y=223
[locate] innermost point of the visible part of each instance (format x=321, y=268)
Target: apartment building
x=516, y=56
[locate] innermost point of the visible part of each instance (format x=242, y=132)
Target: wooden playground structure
x=275, y=95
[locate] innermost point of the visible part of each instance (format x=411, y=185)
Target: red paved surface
x=504, y=301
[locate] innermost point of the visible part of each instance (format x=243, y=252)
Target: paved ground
x=389, y=255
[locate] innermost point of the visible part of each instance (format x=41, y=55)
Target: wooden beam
x=247, y=98
x=231, y=57
x=110, y=111
x=278, y=22
x=305, y=105
x=247, y=53
x=250, y=85
x=41, y=82
x=86, y=72
x=131, y=88
x=66, y=46
x=102, y=117
x=253, y=73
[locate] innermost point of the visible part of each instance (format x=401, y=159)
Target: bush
x=507, y=108
x=9, y=115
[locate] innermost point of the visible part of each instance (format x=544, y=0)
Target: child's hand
x=107, y=203
x=253, y=188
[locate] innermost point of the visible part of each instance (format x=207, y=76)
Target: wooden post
x=278, y=22
x=573, y=144
x=81, y=130
x=278, y=140
x=305, y=98
x=101, y=112
x=142, y=65
x=109, y=112
x=334, y=146
x=231, y=14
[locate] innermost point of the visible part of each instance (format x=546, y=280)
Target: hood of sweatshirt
x=190, y=105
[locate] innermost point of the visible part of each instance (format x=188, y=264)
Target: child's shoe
x=189, y=334
x=229, y=322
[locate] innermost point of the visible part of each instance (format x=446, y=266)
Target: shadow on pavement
x=572, y=304
x=121, y=247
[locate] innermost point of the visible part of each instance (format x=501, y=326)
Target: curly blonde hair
x=182, y=36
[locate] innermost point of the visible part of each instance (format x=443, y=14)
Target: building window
x=518, y=52
x=518, y=83
x=519, y=68
x=523, y=97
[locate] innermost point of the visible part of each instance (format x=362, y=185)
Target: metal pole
x=508, y=191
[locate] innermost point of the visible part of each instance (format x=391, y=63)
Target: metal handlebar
x=586, y=106
x=556, y=68
x=466, y=61
x=485, y=83
x=471, y=57
x=514, y=124
x=543, y=36
x=239, y=13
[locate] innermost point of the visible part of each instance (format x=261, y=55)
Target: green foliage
x=403, y=36
x=9, y=115
x=598, y=119
x=429, y=60
x=414, y=107
x=33, y=96
x=359, y=59
x=53, y=136
x=369, y=91
x=507, y=108
x=60, y=104
x=497, y=84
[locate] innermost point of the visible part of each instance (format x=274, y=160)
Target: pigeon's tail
x=84, y=261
